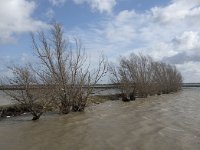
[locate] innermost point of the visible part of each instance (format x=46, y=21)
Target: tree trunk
x=35, y=118
x=132, y=96
x=65, y=108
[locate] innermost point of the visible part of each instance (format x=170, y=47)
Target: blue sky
x=167, y=30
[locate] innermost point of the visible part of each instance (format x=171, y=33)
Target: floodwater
x=156, y=123
x=4, y=99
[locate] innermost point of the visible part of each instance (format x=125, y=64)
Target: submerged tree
x=64, y=66
x=140, y=74
x=32, y=99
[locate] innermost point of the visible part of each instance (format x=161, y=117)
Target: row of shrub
x=142, y=76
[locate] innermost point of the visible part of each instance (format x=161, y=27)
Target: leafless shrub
x=34, y=100
x=64, y=66
x=140, y=74
x=167, y=77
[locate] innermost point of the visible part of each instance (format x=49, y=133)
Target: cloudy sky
x=167, y=30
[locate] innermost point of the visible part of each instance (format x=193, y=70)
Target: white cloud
x=10, y=60
x=190, y=71
x=120, y=29
x=186, y=47
x=50, y=13
x=16, y=18
x=100, y=5
x=169, y=33
x=188, y=42
x=96, y=5
x=177, y=10
x=57, y=2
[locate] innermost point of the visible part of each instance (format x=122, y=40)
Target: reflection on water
x=157, y=123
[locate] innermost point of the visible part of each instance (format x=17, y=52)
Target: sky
x=167, y=30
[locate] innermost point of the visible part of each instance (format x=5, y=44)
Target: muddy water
x=4, y=99
x=157, y=123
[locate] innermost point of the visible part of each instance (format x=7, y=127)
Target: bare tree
x=63, y=65
x=121, y=77
x=140, y=74
x=33, y=99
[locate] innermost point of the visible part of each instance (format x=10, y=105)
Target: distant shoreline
x=17, y=87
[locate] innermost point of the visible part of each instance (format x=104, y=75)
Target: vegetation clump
x=12, y=110
x=140, y=76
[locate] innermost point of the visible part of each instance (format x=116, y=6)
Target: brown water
x=166, y=122
x=4, y=99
